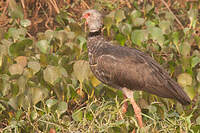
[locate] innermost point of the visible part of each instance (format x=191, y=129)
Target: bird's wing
x=120, y=71
x=137, y=71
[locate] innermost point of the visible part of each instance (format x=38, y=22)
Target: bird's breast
x=92, y=59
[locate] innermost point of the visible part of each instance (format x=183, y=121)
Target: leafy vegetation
x=45, y=81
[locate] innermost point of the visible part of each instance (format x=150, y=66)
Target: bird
x=127, y=69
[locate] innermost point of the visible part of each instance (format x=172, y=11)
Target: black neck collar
x=96, y=33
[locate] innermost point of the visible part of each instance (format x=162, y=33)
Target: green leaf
x=61, y=18
x=165, y=26
x=95, y=82
x=63, y=72
x=4, y=47
x=25, y=22
x=17, y=49
x=175, y=37
x=120, y=38
x=19, y=113
x=16, y=11
x=71, y=35
x=51, y=74
x=34, y=66
x=156, y=34
x=41, y=36
x=13, y=102
x=195, y=61
x=198, y=77
x=150, y=24
x=2, y=108
x=139, y=36
x=27, y=73
x=43, y=46
x=190, y=91
x=185, y=49
x=82, y=41
x=16, y=69
x=62, y=107
x=179, y=108
x=78, y=115
x=89, y=116
x=152, y=109
x=193, y=14
x=125, y=29
x=138, y=21
x=1, y=60
x=21, y=84
x=135, y=14
x=6, y=86
x=37, y=94
x=51, y=102
x=185, y=79
x=108, y=21
x=75, y=27
x=119, y=16
x=34, y=115
x=198, y=120
x=169, y=16
x=61, y=36
x=23, y=101
x=149, y=8
x=81, y=70
x=49, y=34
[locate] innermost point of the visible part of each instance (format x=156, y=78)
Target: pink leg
x=137, y=112
x=129, y=94
x=124, y=106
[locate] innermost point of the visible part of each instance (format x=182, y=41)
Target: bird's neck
x=96, y=33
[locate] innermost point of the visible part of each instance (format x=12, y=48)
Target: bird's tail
x=179, y=93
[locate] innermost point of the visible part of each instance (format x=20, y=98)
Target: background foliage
x=45, y=81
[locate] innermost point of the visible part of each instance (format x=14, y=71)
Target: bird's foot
x=129, y=94
x=137, y=111
x=124, y=107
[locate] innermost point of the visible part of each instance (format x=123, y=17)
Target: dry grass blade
x=53, y=2
x=182, y=27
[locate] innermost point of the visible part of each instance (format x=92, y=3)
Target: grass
x=100, y=116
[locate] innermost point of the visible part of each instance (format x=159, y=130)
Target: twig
x=4, y=10
x=163, y=1
x=24, y=8
x=85, y=4
x=53, y=2
x=48, y=19
x=128, y=4
x=29, y=35
x=23, y=5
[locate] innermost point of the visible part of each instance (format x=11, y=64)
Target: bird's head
x=94, y=20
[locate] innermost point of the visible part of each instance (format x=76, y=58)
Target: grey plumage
x=128, y=67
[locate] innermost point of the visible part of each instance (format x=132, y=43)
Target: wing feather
x=135, y=70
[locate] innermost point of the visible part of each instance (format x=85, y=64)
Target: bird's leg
x=124, y=106
x=129, y=94
x=137, y=112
